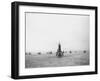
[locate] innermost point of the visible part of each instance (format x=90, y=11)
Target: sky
x=44, y=32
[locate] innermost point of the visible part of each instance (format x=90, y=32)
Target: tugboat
x=59, y=53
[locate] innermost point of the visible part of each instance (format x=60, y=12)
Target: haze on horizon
x=45, y=31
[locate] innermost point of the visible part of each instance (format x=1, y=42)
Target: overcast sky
x=45, y=31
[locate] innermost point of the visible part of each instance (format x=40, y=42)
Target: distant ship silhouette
x=59, y=52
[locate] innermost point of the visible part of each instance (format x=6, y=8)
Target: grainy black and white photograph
x=56, y=39
x=52, y=40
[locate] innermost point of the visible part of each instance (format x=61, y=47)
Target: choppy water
x=51, y=60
